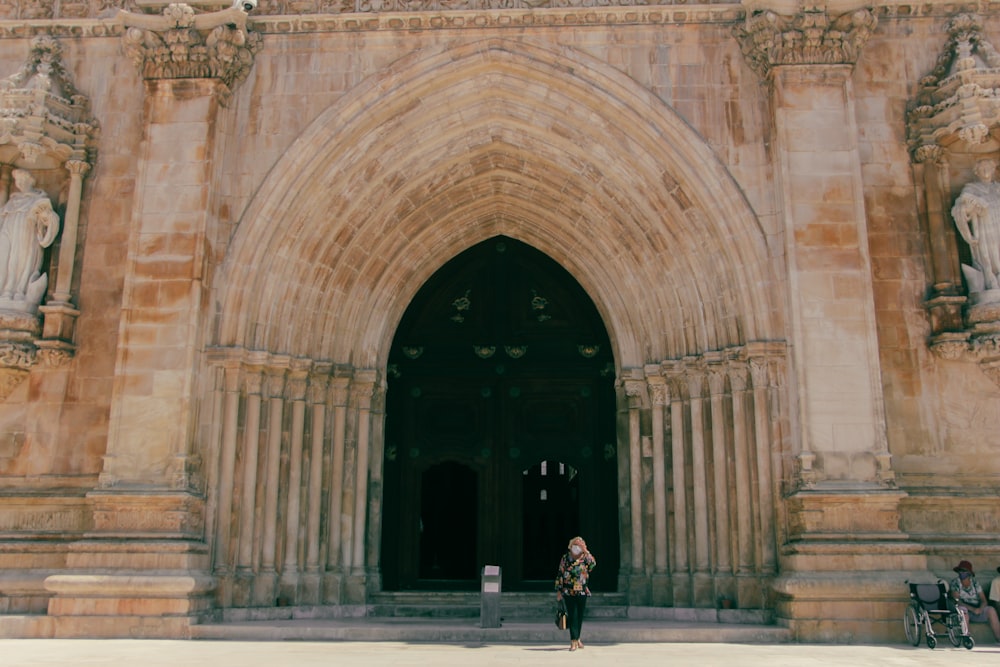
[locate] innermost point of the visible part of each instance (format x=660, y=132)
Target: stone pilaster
x=841, y=412
x=148, y=508
x=843, y=462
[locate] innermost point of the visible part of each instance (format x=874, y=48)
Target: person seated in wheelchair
x=968, y=594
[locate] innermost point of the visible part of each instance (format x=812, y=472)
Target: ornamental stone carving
x=810, y=37
x=958, y=99
x=45, y=128
x=183, y=44
x=951, y=126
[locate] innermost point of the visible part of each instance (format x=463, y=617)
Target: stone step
x=467, y=605
x=468, y=630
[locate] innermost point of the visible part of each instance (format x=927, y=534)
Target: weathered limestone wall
x=942, y=416
x=57, y=427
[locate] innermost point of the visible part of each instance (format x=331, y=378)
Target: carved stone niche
x=953, y=124
x=47, y=139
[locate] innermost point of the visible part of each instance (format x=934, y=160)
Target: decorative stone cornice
x=183, y=44
x=809, y=37
x=957, y=101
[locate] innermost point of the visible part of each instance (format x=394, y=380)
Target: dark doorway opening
x=448, y=516
x=500, y=426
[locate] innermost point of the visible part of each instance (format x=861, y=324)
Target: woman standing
x=571, y=586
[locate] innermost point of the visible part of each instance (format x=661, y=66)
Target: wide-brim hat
x=964, y=566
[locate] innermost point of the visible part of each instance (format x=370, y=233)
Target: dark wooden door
x=499, y=426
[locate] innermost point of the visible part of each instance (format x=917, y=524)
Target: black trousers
x=575, y=606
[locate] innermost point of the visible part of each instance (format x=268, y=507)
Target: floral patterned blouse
x=573, y=574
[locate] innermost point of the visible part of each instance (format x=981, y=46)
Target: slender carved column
x=59, y=313
x=297, y=384
x=318, y=388
x=749, y=537
x=248, y=496
x=659, y=395
x=377, y=462
x=362, y=392
x=662, y=594
x=702, y=593
x=633, y=392
x=224, y=552
x=681, y=576
x=723, y=541
x=335, y=550
x=275, y=385
x=67, y=250
x=213, y=465
x=763, y=446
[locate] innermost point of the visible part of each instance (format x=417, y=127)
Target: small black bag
x=561, y=615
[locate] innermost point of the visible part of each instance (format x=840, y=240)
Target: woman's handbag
x=561, y=615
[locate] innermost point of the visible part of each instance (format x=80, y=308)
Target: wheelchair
x=931, y=606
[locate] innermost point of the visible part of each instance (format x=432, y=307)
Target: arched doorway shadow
x=500, y=381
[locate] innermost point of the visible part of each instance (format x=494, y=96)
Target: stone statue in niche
x=977, y=217
x=28, y=225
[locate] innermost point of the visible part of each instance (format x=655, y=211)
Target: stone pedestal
x=145, y=588
x=845, y=566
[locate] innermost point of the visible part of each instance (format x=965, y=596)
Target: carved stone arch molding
x=553, y=149
x=47, y=146
x=953, y=122
x=443, y=150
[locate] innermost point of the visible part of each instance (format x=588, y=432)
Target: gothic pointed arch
x=444, y=150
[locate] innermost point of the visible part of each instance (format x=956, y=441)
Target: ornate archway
x=436, y=154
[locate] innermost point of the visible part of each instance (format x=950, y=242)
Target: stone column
x=318, y=391
x=930, y=168
x=701, y=579
x=266, y=588
x=681, y=576
x=808, y=61
x=224, y=563
x=724, y=518
x=333, y=584
x=362, y=393
x=293, y=515
x=59, y=313
x=662, y=594
x=748, y=533
x=247, y=509
x=638, y=588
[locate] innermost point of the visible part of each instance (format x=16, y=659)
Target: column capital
x=809, y=36
x=183, y=44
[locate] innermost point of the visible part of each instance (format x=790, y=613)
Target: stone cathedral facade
x=306, y=301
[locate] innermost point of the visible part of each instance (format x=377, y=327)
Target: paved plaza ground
x=161, y=653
